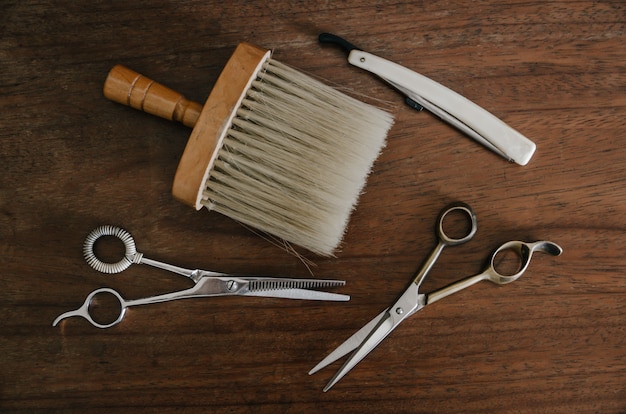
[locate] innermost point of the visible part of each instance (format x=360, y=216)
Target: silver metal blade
x=409, y=303
x=294, y=289
x=264, y=284
x=299, y=294
x=384, y=327
x=349, y=344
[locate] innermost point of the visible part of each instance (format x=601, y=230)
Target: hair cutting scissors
x=411, y=301
x=207, y=283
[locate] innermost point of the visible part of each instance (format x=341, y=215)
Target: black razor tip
x=334, y=39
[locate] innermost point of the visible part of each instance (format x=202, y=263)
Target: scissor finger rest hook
x=525, y=252
x=130, y=256
x=83, y=311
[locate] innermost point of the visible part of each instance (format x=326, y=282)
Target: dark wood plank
x=551, y=342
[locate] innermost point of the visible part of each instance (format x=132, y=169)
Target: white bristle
x=296, y=158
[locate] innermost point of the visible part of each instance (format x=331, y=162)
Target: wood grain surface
x=553, y=342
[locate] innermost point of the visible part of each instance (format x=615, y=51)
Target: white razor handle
x=459, y=111
x=448, y=105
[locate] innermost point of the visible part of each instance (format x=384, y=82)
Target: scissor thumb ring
x=130, y=256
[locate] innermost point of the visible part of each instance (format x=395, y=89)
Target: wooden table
x=71, y=160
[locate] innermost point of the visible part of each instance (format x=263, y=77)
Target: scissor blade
x=380, y=332
x=299, y=294
x=349, y=344
x=409, y=303
x=275, y=283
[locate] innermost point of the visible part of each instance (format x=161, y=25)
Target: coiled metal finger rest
x=130, y=255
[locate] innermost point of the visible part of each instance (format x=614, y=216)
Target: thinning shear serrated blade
x=294, y=288
x=264, y=284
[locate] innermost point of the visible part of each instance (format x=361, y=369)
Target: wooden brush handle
x=130, y=88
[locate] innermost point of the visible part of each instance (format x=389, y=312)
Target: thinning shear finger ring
x=130, y=256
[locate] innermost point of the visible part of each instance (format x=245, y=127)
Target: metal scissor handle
x=83, y=311
x=445, y=240
x=131, y=255
x=524, y=252
x=209, y=286
x=455, y=241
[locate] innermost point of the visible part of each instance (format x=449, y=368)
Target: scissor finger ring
x=130, y=256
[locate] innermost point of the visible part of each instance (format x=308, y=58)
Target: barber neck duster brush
x=271, y=148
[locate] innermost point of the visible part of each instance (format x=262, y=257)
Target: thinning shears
x=411, y=301
x=207, y=283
